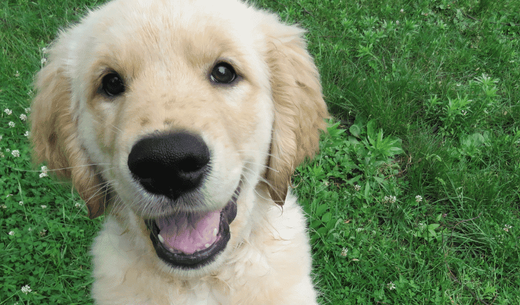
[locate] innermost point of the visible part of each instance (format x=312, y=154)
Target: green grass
x=426, y=101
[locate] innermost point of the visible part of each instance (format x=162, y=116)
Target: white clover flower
x=507, y=227
x=27, y=133
x=23, y=117
x=43, y=61
x=44, y=206
x=397, y=22
x=391, y=286
x=344, y=252
x=12, y=124
x=7, y=150
x=43, y=175
x=418, y=198
x=11, y=233
x=26, y=289
x=44, y=50
x=30, y=229
x=402, y=10
x=77, y=204
x=17, y=74
x=357, y=187
x=20, y=202
x=389, y=199
x=15, y=153
x=4, y=206
x=8, y=111
x=44, y=169
x=2, y=155
x=27, y=110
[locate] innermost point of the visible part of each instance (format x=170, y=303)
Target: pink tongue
x=189, y=232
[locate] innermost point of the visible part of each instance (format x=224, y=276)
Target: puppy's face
x=167, y=80
x=176, y=111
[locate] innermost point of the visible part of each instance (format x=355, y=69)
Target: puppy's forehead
x=198, y=31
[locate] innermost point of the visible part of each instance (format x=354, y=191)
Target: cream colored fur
x=258, y=130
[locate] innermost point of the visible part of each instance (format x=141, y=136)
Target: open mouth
x=190, y=240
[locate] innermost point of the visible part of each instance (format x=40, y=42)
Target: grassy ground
x=414, y=198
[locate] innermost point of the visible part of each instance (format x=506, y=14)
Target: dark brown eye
x=112, y=84
x=223, y=73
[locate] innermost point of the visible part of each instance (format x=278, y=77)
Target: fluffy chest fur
x=269, y=266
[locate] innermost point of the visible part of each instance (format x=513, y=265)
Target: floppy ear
x=299, y=107
x=54, y=134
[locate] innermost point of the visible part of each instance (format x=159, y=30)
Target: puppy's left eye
x=223, y=73
x=112, y=84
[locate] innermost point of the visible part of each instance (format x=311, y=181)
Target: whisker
x=114, y=127
x=106, y=170
x=260, y=179
x=100, y=187
x=57, y=169
x=263, y=165
x=117, y=203
x=262, y=152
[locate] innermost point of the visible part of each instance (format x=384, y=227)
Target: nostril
x=169, y=164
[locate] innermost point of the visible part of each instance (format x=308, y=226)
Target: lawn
x=414, y=198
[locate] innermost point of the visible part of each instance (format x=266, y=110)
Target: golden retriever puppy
x=182, y=121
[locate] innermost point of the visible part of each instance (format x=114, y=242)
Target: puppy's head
x=178, y=111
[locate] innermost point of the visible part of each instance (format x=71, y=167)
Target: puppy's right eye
x=223, y=73
x=112, y=84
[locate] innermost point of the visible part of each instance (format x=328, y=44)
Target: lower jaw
x=202, y=258
x=199, y=259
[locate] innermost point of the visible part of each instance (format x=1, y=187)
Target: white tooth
x=215, y=232
x=161, y=239
x=207, y=245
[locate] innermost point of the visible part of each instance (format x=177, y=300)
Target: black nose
x=169, y=164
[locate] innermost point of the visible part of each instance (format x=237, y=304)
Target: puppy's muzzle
x=170, y=164
x=173, y=165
